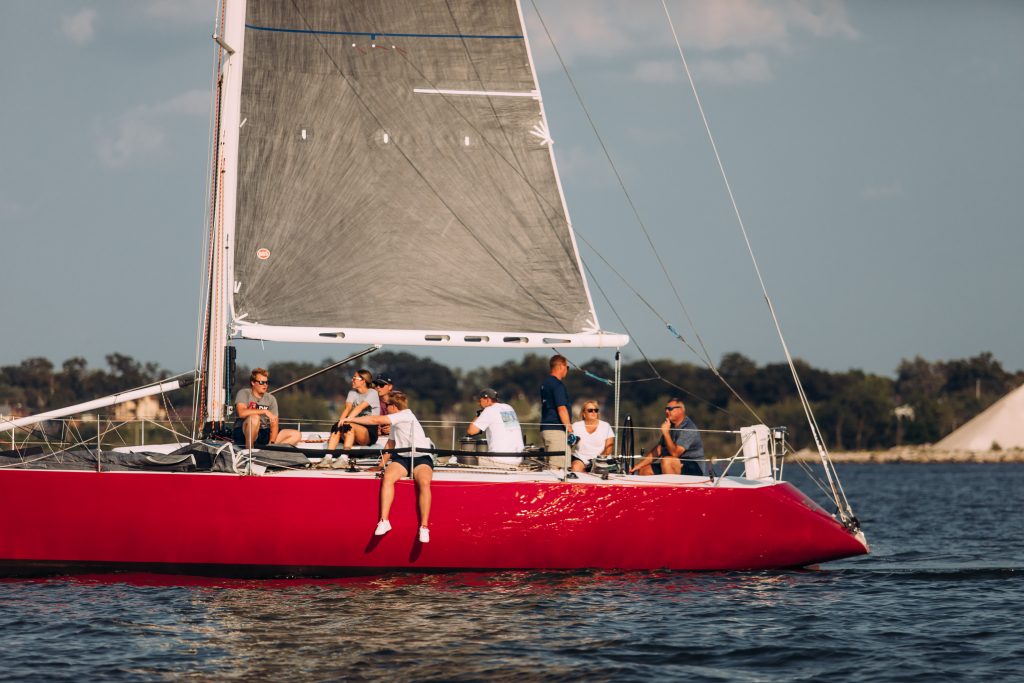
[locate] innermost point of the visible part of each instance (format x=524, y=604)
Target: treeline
x=856, y=410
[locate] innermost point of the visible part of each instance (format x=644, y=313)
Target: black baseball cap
x=488, y=393
x=381, y=380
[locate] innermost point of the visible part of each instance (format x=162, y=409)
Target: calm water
x=941, y=598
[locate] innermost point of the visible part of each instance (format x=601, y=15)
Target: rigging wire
x=657, y=374
x=213, y=189
x=837, y=490
x=706, y=356
x=621, y=182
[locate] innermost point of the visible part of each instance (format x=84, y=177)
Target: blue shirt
x=687, y=436
x=552, y=395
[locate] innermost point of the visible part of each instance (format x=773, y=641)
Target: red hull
x=323, y=524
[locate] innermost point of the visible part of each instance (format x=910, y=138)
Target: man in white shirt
x=499, y=423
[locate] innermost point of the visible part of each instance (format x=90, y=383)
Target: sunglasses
x=592, y=410
x=260, y=381
x=671, y=408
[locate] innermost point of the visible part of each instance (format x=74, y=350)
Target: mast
x=231, y=41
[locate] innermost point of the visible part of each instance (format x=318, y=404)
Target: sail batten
x=399, y=184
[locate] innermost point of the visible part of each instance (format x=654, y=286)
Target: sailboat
x=411, y=134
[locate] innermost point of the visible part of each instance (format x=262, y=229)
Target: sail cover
x=395, y=173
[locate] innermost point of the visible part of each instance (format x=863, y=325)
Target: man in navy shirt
x=554, y=409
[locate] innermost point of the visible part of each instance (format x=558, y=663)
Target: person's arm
x=647, y=459
x=478, y=425
x=673, y=449
x=608, y=443
x=345, y=412
x=367, y=420
x=563, y=415
x=385, y=457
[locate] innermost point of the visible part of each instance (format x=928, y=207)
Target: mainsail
x=395, y=180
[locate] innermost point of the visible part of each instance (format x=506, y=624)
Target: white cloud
x=79, y=28
x=883, y=191
x=752, y=67
x=142, y=132
x=606, y=30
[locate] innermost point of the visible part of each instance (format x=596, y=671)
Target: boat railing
x=99, y=432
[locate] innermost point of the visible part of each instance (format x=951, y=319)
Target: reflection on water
x=940, y=599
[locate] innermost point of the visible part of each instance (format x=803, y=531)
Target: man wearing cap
x=499, y=423
x=383, y=385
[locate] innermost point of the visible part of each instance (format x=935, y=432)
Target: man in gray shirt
x=680, y=450
x=256, y=410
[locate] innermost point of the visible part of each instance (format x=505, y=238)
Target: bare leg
x=423, y=474
x=332, y=442
x=393, y=473
x=251, y=429
x=578, y=466
x=357, y=435
x=288, y=437
x=671, y=465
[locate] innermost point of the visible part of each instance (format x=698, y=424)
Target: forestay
x=396, y=181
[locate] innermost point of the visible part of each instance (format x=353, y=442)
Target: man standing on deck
x=256, y=410
x=681, y=450
x=554, y=409
x=501, y=425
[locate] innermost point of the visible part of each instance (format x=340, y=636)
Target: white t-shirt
x=371, y=396
x=407, y=431
x=589, y=444
x=504, y=435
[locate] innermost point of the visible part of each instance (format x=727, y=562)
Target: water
x=940, y=598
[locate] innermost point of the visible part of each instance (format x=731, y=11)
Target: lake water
x=939, y=599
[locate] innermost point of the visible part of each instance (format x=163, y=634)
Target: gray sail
x=395, y=173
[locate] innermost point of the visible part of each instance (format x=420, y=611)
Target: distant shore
x=918, y=454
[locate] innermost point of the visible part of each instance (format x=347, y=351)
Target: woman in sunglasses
x=595, y=437
x=362, y=400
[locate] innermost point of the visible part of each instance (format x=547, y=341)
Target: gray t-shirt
x=267, y=402
x=687, y=436
x=371, y=397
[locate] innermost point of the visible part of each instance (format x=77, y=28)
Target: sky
x=875, y=151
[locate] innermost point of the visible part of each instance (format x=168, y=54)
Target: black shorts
x=372, y=429
x=406, y=461
x=692, y=467
x=262, y=437
x=586, y=464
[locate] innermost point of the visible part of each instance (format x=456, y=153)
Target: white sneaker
x=424, y=535
x=383, y=526
x=325, y=462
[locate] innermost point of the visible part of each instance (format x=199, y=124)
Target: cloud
x=884, y=191
x=752, y=67
x=142, y=132
x=78, y=28
x=611, y=30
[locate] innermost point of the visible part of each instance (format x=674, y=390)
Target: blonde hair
x=398, y=399
x=367, y=377
x=583, y=408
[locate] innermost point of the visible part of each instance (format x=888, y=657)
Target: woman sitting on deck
x=362, y=400
x=406, y=432
x=595, y=437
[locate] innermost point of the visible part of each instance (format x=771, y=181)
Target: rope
x=837, y=493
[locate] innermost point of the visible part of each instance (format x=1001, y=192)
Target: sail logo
x=263, y=254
